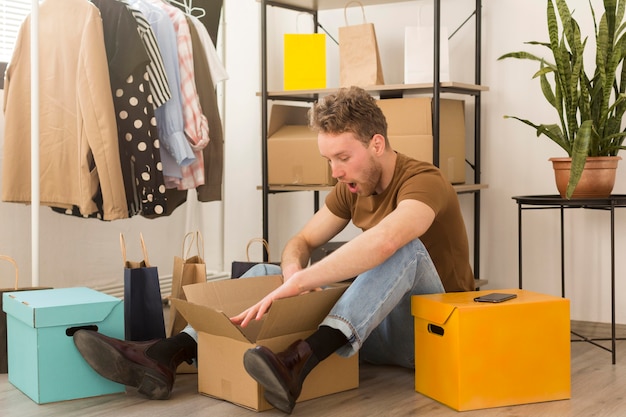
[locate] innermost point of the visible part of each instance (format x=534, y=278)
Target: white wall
x=587, y=261
x=514, y=163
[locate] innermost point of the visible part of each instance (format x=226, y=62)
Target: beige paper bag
x=4, y=368
x=188, y=269
x=359, y=59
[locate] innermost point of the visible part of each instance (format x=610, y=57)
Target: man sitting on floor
x=413, y=234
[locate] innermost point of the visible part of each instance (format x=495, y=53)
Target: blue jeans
x=374, y=313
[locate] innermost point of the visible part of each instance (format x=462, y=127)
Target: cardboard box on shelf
x=293, y=157
x=471, y=355
x=221, y=344
x=43, y=361
x=410, y=131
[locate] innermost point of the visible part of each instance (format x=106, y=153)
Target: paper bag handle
x=123, y=247
x=143, y=249
x=197, y=236
x=298, y=18
x=345, y=11
x=261, y=240
x=17, y=274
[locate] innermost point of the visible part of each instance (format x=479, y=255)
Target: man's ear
x=379, y=143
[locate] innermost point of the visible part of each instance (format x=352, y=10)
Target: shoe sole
x=276, y=393
x=112, y=365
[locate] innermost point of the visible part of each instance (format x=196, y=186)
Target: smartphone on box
x=495, y=297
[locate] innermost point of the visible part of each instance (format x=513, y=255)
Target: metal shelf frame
x=435, y=89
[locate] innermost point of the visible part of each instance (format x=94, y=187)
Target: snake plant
x=590, y=109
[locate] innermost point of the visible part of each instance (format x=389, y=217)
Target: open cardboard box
x=221, y=344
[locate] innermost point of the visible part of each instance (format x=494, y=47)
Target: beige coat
x=78, y=136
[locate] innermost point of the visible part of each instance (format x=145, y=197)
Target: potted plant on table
x=590, y=109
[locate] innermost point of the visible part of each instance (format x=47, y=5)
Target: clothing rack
x=35, y=133
x=34, y=140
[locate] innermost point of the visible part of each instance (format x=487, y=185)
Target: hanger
x=187, y=6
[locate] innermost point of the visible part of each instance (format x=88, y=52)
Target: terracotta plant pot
x=596, y=181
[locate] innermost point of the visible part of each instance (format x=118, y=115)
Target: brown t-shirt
x=445, y=240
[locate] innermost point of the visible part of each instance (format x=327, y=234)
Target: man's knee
x=259, y=270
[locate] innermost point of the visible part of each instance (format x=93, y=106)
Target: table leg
x=519, y=245
x=613, y=280
x=562, y=253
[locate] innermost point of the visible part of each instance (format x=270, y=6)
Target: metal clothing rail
x=34, y=141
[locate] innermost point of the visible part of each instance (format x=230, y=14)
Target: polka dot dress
x=139, y=147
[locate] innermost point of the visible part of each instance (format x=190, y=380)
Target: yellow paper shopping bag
x=304, y=64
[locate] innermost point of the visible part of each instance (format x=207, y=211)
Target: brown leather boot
x=282, y=374
x=128, y=362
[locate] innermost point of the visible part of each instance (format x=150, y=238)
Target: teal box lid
x=59, y=306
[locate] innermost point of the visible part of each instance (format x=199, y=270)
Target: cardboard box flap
x=210, y=305
x=209, y=320
x=287, y=115
x=232, y=296
x=58, y=307
x=299, y=313
x=431, y=309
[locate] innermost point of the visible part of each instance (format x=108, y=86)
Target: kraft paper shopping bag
x=188, y=269
x=238, y=268
x=359, y=58
x=3, y=316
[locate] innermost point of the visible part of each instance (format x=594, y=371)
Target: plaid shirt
x=196, y=124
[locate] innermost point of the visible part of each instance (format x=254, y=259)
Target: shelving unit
x=436, y=88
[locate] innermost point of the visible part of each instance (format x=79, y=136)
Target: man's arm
x=322, y=227
x=408, y=221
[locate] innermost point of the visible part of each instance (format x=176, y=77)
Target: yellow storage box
x=471, y=355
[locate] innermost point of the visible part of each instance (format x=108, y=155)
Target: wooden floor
x=598, y=389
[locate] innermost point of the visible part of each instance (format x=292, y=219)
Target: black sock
x=325, y=341
x=178, y=348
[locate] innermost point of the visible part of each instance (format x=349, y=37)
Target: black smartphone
x=494, y=297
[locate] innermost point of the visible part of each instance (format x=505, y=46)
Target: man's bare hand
x=287, y=289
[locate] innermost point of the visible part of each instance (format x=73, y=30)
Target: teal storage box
x=43, y=361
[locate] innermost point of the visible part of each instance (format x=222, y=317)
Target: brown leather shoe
x=126, y=363
x=282, y=374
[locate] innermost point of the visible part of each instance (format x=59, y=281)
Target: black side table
x=539, y=202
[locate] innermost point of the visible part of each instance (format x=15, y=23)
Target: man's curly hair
x=349, y=110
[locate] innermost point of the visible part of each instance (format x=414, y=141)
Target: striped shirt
x=159, y=85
